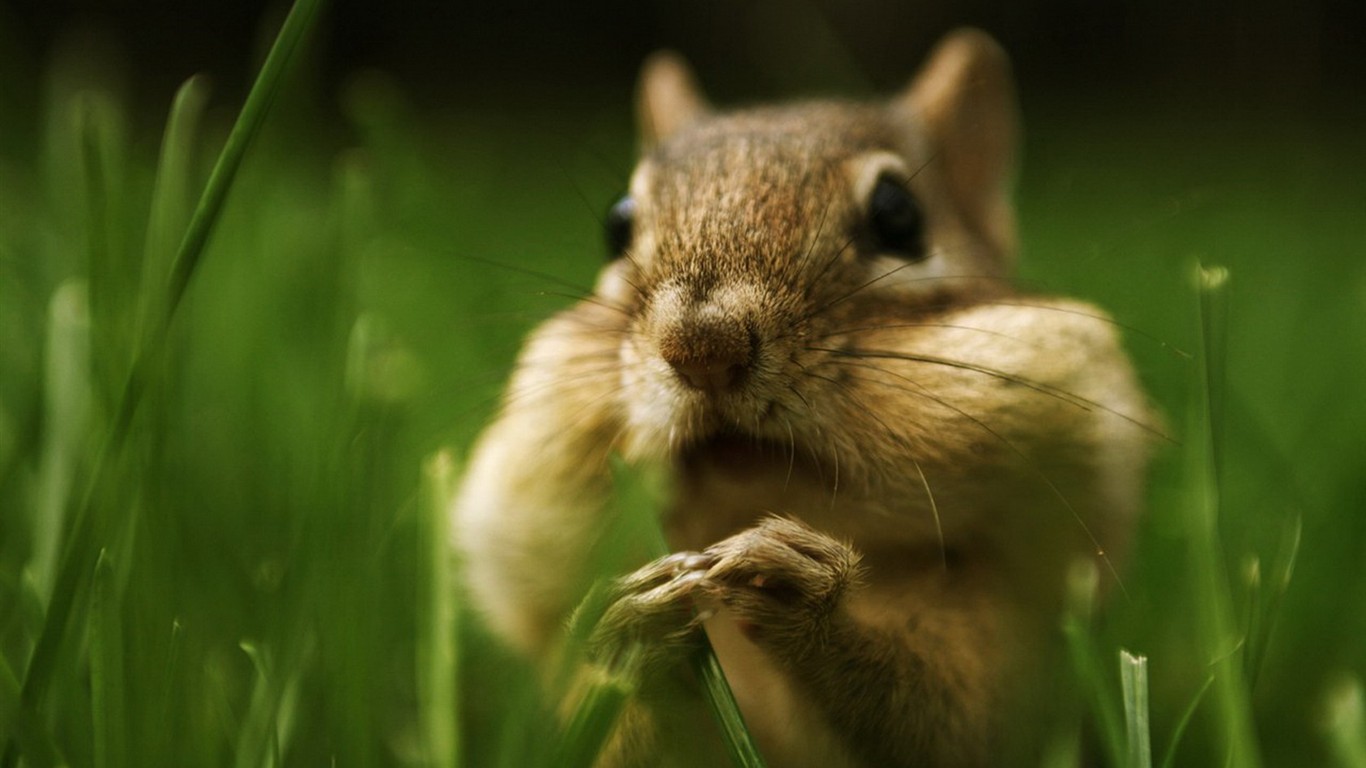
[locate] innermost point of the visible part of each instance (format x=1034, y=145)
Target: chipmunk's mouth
x=738, y=453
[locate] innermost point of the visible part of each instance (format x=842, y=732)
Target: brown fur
x=937, y=449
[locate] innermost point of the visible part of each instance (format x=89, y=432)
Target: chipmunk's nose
x=710, y=357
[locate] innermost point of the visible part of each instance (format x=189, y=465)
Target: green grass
x=221, y=453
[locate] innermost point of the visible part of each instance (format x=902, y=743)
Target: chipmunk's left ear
x=667, y=98
x=965, y=97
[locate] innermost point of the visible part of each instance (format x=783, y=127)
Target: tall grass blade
x=594, y=717
x=171, y=191
x=1219, y=640
x=739, y=743
x=296, y=27
x=270, y=717
x=256, y=745
x=608, y=690
x=1082, y=581
x=638, y=495
x=1347, y=725
x=1133, y=678
x=437, y=654
x=108, y=692
x=9, y=698
x=108, y=267
x=1187, y=715
x=76, y=555
x=166, y=709
x=1276, y=584
x=67, y=394
x=20, y=724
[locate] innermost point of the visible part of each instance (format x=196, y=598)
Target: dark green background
x=425, y=152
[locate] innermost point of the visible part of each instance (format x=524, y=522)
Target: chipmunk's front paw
x=650, y=621
x=782, y=580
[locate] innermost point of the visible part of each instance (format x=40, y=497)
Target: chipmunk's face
x=752, y=247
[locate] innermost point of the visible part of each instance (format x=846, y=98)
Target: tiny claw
x=675, y=559
x=689, y=577
x=686, y=561
x=698, y=561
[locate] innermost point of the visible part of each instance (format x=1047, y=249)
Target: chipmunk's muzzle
x=712, y=356
x=700, y=363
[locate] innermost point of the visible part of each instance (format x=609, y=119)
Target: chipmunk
x=884, y=458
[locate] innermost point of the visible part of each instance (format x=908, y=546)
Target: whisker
x=631, y=259
x=1101, y=318
x=924, y=481
x=839, y=252
x=1046, y=389
x=585, y=326
x=587, y=299
x=600, y=356
x=587, y=409
x=934, y=511
x=934, y=155
x=949, y=326
x=919, y=389
x=593, y=210
x=835, y=487
x=834, y=302
x=522, y=393
x=554, y=279
x=815, y=239
x=865, y=286
x=791, y=452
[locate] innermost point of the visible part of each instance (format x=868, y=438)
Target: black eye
x=895, y=219
x=618, y=225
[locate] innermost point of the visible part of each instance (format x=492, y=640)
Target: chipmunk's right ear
x=965, y=97
x=667, y=98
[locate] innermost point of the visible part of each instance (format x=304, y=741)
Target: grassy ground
x=262, y=580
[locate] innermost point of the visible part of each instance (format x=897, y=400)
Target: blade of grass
x=169, y=211
x=1212, y=594
x=1133, y=678
x=1169, y=759
x=636, y=494
x=33, y=737
x=72, y=571
x=270, y=719
x=1347, y=725
x=1277, y=584
x=167, y=709
x=743, y=752
x=297, y=25
x=437, y=654
x=1252, y=618
x=598, y=709
x=594, y=718
x=9, y=698
x=67, y=400
x=107, y=690
x=257, y=742
x=111, y=288
x=1082, y=580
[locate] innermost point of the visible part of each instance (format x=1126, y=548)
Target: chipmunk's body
x=809, y=319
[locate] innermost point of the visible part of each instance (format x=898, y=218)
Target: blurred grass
x=271, y=589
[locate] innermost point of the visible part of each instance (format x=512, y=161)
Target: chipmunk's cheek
x=614, y=287
x=661, y=415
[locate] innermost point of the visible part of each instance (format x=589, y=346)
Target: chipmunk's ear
x=667, y=98
x=965, y=97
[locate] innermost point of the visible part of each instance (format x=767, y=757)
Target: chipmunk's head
x=751, y=245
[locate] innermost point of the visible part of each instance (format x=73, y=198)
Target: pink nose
x=711, y=358
x=709, y=375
